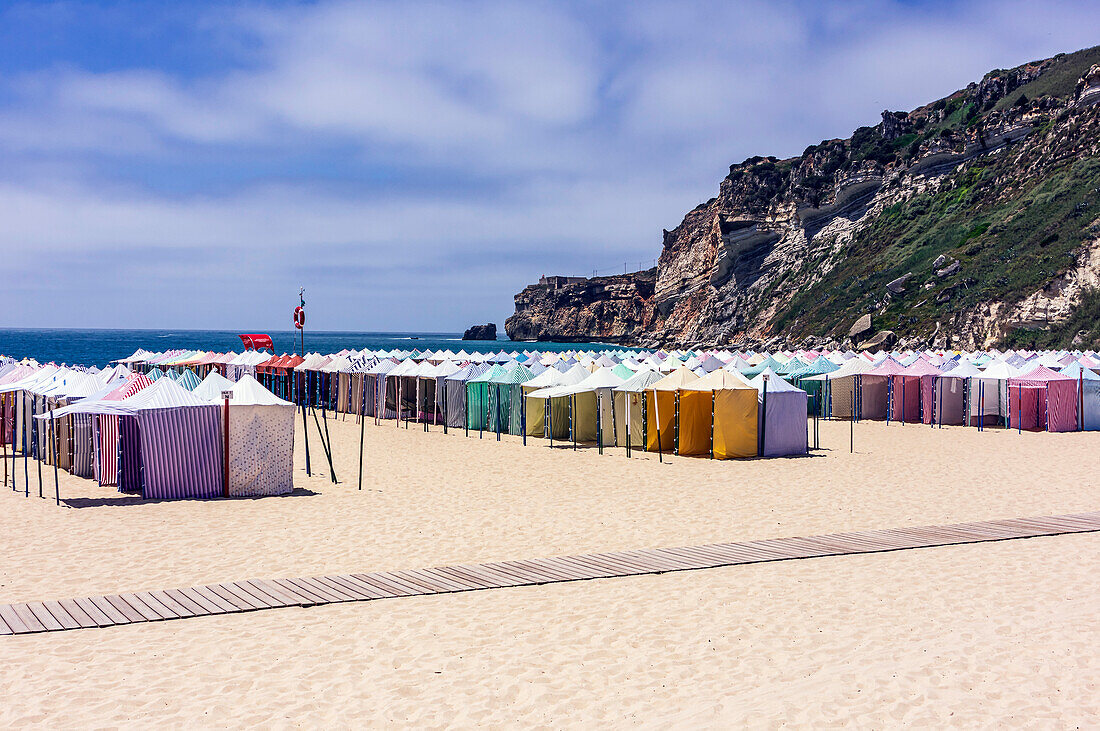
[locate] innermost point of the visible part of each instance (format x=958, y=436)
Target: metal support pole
x=225, y=443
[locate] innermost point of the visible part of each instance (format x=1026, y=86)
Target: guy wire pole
x=226, y=395
x=324, y=447
x=573, y=419
x=53, y=441
x=523, y=414
x=37, y=445
x=657, y=420
x=304, y=377
x=852, y=428
x=764, y=421
x=599, y=422
x=328, y=446
x=362, y=425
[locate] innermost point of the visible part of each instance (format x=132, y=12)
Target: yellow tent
x=718, y=416
x=661, y=409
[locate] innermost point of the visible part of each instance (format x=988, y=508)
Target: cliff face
x=966, y=222
x=614, y=309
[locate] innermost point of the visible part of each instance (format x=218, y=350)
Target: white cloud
x=537, y=135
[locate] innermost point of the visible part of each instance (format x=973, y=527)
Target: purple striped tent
x=181, y=453
x=177, y=452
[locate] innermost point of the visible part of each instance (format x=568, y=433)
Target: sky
x=415, y=164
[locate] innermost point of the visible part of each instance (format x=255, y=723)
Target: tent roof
x=776, y=383
x=676, y=380
x=250, y=392
x=719, y=380
x=212, y=386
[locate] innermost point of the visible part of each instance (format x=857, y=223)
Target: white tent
x=212, y=386
x=261, y=441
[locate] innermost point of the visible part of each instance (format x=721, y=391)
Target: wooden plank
x=30, y=621
x=43, y=615
x=12, y=620
x=237, y=596
x=97, y=615
x=171, y=604
x=4, y=628
x=246, y=589
x=237, y=604
x=154, y=604
x=358, y=593
x=343, y=594
x=382, y=583
x=62, y=615
x=427, y=584
x=474, y=580
x=315, y=597
x=277, y=592
x=370, y=589
x=116, y=615
x=463, y=583
x=212, y=599
x=148, y=613
x=189, y=603
x=317, y=587
x=77, y=613
x=134, y=610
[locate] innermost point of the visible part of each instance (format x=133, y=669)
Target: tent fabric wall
x=947, y=397
x=261, y=450
x=83, y=448
x=660, y=420
x=735, y=423
x=628, y=405
x=783, y=426
x=695, y=422
x=129, y=455
x=181, y=452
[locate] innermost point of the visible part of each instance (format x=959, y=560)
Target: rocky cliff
x=970, y=221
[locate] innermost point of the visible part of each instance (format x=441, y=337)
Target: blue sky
x=413, y=165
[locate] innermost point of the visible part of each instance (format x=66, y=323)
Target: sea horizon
x=99, y=346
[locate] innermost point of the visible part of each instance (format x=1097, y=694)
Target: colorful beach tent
x=261, y=441
x=718, y=416
x=782, y=416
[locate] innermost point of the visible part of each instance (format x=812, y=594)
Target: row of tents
x=157, y=435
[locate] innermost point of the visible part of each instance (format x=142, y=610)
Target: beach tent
x=559, y=400
x=920, y=375
x=782, y=416
x=661, y=410
x=593, y=417
x=1043, y=399
x=212, y=386
x=506, y=400
x=1088, y=396
x=477, y=398
x=261, y=441
x=188, y=379
x=717, y=416
x=454, y=392
x=630, y=407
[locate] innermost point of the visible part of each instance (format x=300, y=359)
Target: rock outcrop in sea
x=967, y=222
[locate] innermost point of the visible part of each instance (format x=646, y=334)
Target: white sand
x=988, y=632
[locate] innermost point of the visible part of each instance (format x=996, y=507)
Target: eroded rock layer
x=970, y=221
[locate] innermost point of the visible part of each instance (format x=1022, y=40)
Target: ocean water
x=98, y=347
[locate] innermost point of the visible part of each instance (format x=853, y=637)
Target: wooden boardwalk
x=254, y=594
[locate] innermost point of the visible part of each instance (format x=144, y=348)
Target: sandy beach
x=954, y=635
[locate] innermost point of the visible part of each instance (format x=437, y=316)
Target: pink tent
x=1042, y=399
x=918, y=377
x=903, y=389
